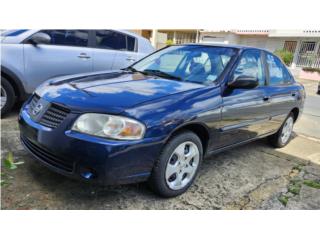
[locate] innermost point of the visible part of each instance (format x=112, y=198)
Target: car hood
x=110, y=91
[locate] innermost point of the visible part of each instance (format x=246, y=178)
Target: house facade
x=303, y=44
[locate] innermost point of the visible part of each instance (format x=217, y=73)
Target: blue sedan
x=156, y=120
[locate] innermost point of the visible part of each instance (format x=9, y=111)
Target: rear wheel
x=178, y=165
x=283, y=136
x=7, y=96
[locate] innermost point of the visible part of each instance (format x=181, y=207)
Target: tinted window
x=77, y=38
x=278, y=73
x=131, y=43
x=113, y=40
x=250, y=65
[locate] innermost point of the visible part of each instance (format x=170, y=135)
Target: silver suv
x=29, y=57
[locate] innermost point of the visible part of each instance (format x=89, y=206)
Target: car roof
x=241, y=47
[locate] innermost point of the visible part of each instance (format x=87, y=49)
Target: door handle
x=293, y=94
x=266, y=98
x=83, y=55
x=131, y=59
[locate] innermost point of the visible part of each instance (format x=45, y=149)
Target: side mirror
x=40, y=38
x=243, y=81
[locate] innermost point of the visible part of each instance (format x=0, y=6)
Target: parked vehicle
x=158, y=118
x=29, y=57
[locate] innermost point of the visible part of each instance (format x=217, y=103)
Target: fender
x=16, y=83
x=189, y=124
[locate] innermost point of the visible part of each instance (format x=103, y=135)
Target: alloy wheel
x=287, y=130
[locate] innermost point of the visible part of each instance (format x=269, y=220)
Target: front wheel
x=178, y=165
x=283, y=136
x=7, y=96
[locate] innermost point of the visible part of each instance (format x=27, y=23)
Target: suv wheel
x=283, y=136
x=7, y=96
x=178, y=165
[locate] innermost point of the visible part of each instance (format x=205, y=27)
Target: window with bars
x=308, y=55
x=290, y=46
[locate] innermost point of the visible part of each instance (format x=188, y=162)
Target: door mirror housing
x=40, y=38
x=244, y=81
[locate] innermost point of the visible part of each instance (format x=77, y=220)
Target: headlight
x=108, y=126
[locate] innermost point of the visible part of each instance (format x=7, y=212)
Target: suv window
x=278, y=73
x=76, y=38
x=250, y=64
x=131, y=42
x=108, y=39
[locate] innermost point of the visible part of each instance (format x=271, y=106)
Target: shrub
x=286, y=56
x=169, y=42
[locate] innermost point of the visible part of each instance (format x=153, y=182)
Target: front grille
x=53, y=116
x=46, y=156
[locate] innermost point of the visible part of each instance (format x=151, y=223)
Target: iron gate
x=309, y=55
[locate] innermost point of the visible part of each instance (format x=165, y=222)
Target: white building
x=304, y=44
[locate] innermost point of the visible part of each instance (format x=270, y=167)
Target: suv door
x=281, y=91
x=128, y=53
x=66, y=54
x=244, y=114
x=104, y=50
x=114, y=50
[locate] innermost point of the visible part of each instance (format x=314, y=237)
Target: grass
x=284, y=200
x=298, y=167
x=312, y=183
x=294, y=187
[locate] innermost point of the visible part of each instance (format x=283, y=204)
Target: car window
x=250, y=64
x=278, y=73
x=76, y=38
x=131, y=42
x=108, y=39
x=200, y=64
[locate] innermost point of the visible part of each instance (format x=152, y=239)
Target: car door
x=127, y=52
x=104, y=50
x=66, y=54
x=244, y=114
x=282, y=94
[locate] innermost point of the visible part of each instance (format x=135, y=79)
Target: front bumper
x=86, y=157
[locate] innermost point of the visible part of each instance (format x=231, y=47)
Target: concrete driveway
x=309, y=123
x=254, y=176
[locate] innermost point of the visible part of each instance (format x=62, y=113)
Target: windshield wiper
x=131, y=69
x=161, y=74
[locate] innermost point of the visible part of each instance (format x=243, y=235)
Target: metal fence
x=309, y=55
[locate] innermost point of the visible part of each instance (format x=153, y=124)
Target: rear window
x=108, y=39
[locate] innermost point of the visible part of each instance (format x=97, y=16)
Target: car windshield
x=189, y=63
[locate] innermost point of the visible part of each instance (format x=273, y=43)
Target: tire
x=277, y=140
x=161, y=180
x=8, y=91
